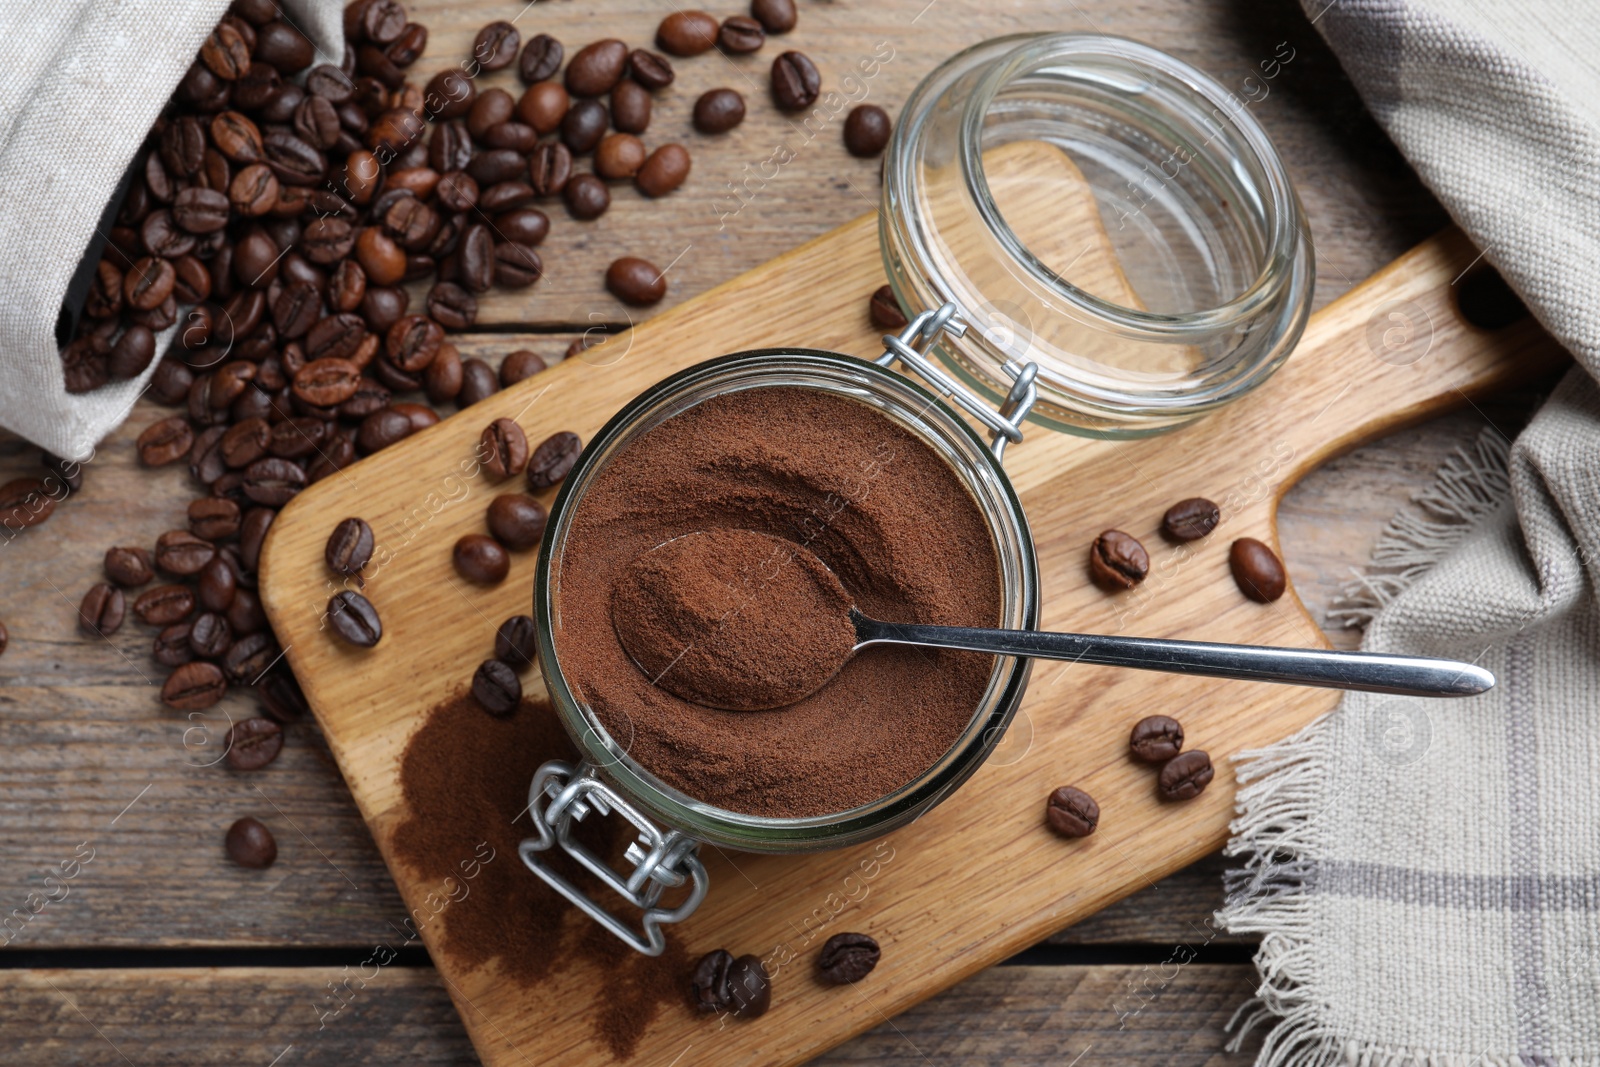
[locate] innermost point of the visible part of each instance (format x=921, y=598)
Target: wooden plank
x=1333, y=395
x=1165, y=1014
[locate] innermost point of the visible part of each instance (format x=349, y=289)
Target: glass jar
x=1171, y=271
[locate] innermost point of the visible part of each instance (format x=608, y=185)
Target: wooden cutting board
x=979, y=877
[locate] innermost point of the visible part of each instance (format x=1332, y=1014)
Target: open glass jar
x=1196, y=304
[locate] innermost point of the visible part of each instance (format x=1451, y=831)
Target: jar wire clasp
x=923, y=331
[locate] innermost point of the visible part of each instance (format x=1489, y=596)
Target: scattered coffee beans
x=718, y=111
x=795, y=82
x=503, y=449
x=620, y=155
x=353, y=618
x=775, y=16
x=514, y=642
x=553, y=459
x=541, y=58
x=480, y=559
x=847, y=958
x=349, y=547
x=596, y=68
x=194, y=687
x=496, y=686
x=1156, y=738
x=866, y=130
x=726, y=985
x=884, y=310
x=1185, y=776
x=102, y=609
x=687, y=33
x=741, y=35
x=251, y=844
x=517, y=520
x=663, y=171
x=636, y=281
x=1190, y=520
x=254, y=743
x=1257, y=570
x=1117, y=561
x=1071, y=812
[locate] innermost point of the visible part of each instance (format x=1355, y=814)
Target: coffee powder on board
x=879, y=507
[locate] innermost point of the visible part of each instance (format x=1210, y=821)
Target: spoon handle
x=1371, y=672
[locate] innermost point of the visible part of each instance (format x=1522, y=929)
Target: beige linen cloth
x=1425, y=876
x=81, y=83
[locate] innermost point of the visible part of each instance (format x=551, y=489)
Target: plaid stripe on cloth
x=1425, y=876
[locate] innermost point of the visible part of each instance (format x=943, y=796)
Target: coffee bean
x=664, y=170
x=349, y=547
x=281, y=697
x=226, y=52
x=252, y=532
x=209, y=635
x=129, y=567
x=244, y=442
x=584, y=125
x=520, y=366
x=1257, y=570
x=740, y=35
x=687, y=33
x=443, y=377
x=1156, y=739
x=218, y=585
x=650, y=70
x=549, y=169
x=516, y=266
x=353, y=618
x=477, y=255
x=516, y=520
x=149, y=282
x=1117, y=561
x=326, y=382
x=453, y=93
x=553, y=459
x=795, y=82
x=543, y=106
x=1190, y=520
x=776, y=16
x=451, y=307
x=478, y=380
x=200, y=210
x=1185, y=776
x=480, y=559
x=254, y=743
x=164, y=605
x=273, y=481
x=213, y=519
x=718, y=111
x=496, y=687
x=541, y=58
x=514, y=642
x=23, y=503
x=496, y=45
x=382, y=429
x=102, y=610
x=503, y=449
x=1071, y=812
x=279, y=43
x=250, y=844
x=586, y=196
x=412, y=343
x=884, y=310
x=194, y=686
x=249, y=657
x=630, y=107
x=723, y=984
x=596, y=68
x=171, y=646
x=182, y=553
x=866, y=130
x=845, y=959
x=635, y=281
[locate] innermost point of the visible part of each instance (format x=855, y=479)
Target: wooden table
x=160, y=952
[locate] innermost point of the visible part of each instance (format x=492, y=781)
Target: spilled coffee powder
x=733, y=619
x=880, y=508
x=465, y=777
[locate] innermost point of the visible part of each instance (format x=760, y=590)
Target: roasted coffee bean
x=256, y=260
x=382, y=307
x=292, y=160
x=218, y=585
x=1190, y=520
x=442, y=379
x=526, y=226
x=163, y=605
x=795, y=82
x=132, y=352
x=316, y=122
x=1156, y=738
x=776, y=16
x=326, y=382
x=249, y=657
x=517, y=520
x=740, y=35
x=718, y=111
x=1257, y=570
x=479, y=558
x=457, y=191
x=279, y=43
x=24, y=502
x=845, y=959
x=296, y=310
x=635, y=281
x=586, y=196
x=492, y=107
x=723, y=984
x=451, y=307
x=250, y=844
x=200, y=210
x=281, y=697
x=128, y=566
x=496, y=45
x=209, y=635
x=298, y=437
x=520, y=365
x=194, y=686
x=478, y=380
x=353, y=618
x=1117, y=561
x=254, y=743
x=630, y=107
x=664, y=171
x=412, y=343
x=503, y=449
x=165, y=441
x=517, y=266
x=328, y=240
x=514, y=643
x=105, y=294
x=884, y=310
x=170, y=383
x=102, y=609
x=182, y=553
x=85, y=363
x=381, y=429
x=549, y=169
x=226, y=52
x=541, y=58
x=477, y=257
x=229, y=383
x=421, y=415
x=171, y=646
x=1071, y=812
x=452, y=91
x=553, y=459
x=1185, y=776
x=866, y=130
x=543, y=106
x=596, y=68
x=64, y=471
x=496, y=687
x=148, y=283
x=245, y=442
x=273, y=481
x=252, y=532
x=183, y=149
x=214, y=519
x=649, y=69
x=450, y=147
x=379, y=21
x=349, y=547
x=687, y=33
x=382, y=259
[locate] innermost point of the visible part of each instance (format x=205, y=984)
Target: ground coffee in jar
x=879, y=507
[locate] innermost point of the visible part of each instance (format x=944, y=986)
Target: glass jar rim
x=1035, y=49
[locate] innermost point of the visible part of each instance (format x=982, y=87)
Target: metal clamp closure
x=561, y=795
x=1006, y=424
